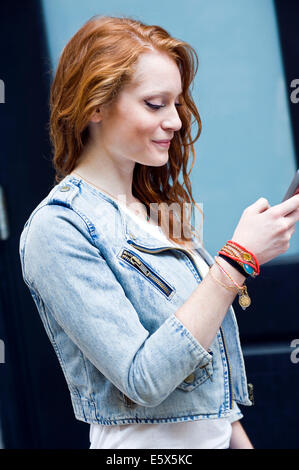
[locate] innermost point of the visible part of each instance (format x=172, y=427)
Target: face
x=145, y=112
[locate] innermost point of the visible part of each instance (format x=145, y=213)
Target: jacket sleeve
x=64, y=267
x=235, y=414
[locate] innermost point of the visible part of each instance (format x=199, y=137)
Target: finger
x=286, y=207
x=291, y=231
x=260, y=205
x=292, y=218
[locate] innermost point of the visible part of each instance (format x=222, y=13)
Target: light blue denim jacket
x=107, y=293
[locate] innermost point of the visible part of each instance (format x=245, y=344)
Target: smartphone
x=293, y=188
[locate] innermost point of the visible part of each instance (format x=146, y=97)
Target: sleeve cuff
x=235, y=414
x=198, y=353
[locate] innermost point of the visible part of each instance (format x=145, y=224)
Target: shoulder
x=54, y=237
x=58, y=209
x=55, y=222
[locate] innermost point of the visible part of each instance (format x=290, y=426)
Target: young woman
x=138, y=312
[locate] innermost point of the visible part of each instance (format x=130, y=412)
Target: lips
x=162, y=143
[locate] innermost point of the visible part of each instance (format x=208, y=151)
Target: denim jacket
x=107, y=293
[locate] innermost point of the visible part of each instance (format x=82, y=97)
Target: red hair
x=93, y=67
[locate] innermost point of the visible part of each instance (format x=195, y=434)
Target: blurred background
x=249, y=147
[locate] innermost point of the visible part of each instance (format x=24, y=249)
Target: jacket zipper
x=137, y=263
x=188, y=253
x=159, y=250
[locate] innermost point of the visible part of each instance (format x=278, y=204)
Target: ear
x=96, y=116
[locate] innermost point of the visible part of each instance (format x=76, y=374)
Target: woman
x=138, y=312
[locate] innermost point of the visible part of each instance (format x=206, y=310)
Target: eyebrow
x=162, y=92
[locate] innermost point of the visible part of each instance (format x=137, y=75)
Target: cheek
x=145, y=128
x=139, y=125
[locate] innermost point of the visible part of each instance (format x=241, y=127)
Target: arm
x=239, y=438
x=204, y=311
x=262, y=230
x=64, y=267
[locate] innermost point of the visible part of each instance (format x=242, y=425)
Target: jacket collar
x=134, y=232
x=138, y=235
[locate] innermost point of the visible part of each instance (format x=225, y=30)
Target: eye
x=153, y=106
x=158, y=106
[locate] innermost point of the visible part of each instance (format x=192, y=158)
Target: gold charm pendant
x=244, y=299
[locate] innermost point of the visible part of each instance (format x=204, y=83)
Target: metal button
x=190, y=378
x=65, y=188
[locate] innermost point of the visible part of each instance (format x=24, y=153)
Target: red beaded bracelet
x=245, y=257
x=249, y=253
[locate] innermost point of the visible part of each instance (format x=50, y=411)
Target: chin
x=156, y=162
x=157, y=159
x=160, y=160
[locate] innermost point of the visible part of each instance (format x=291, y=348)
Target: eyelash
x=158, y=106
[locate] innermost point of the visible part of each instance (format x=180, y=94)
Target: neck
x=133, y=204
x=104, y=173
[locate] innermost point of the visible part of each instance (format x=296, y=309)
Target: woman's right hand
x=266, y=231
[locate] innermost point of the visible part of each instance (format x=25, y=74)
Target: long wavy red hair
x=93, y=67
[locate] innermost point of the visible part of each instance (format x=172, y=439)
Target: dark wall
x=35, y=407
x=287, y=12
x=267, y=328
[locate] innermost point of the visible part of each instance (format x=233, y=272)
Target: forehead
x=154, y=72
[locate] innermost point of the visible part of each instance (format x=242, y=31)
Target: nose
x=172, y=120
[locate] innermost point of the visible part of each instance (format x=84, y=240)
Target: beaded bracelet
x=221, y=283
x=246, y=256
x=235, y=264
x=239, y=258
x=244, y=299
x=243, y=257
x=234, y=256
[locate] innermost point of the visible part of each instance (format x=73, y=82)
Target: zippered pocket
x=133, y=260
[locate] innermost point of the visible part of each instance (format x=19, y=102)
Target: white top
x=200, y=434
